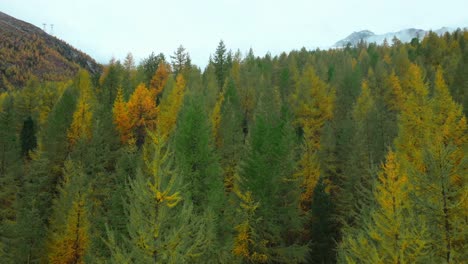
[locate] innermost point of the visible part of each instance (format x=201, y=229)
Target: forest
x=349, y=155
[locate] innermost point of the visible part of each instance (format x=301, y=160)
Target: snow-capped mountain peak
x=405, y=35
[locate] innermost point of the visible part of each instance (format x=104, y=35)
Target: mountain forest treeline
x=353, y=155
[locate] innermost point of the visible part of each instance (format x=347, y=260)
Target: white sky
x=106, y=28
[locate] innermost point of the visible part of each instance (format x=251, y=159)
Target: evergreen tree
x=69, y=234
x=196, y=157
x=269, y=217
x=28, y=137
x=220, y=63
x=229, y=139
x=314, y=102
x=161, y=226
x=110, y=81
x=392, y=233
x=439, y=188
x=180, y=60
x=149, y=66
x=9, y=177
x=80, y=128
x=159, y=80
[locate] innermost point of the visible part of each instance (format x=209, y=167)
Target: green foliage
x=196, y=158
x=266, y=177
x=221, y=63
x=28, y=137
x=271, y=159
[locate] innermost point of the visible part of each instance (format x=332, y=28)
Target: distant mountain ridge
x=26, y=51
x=405, y=35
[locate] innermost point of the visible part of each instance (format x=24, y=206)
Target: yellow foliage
x=159, y=79
x=448, y=115
x=170, y=107
x=245, y=245
x=142, y=112
x=81, y=127
x=415, y=122
x=314, y=102
x=396, y=98
x=3, y=96
x=121, y=118
x=391, y=191
x=216, y=119
x=70, y=246
x=364, y=103
x=142, y=109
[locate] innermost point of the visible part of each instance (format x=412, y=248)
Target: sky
x=113, y=28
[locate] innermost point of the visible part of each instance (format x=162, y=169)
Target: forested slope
x=354, y=155
x=27, y=51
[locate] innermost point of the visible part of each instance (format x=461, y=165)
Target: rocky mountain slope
x=26, y=51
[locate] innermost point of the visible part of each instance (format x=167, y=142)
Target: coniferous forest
x=352, y=155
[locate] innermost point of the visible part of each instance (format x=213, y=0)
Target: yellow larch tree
x=392, y=233
x=314, y=101
x=142, y=112
x=216, y=119
x=247, y=244
x=398, y=241
x=71, y=247
x=170, y=107
x=415, y=120
x=81, y=127
x=121, y=118
x=395, y=96
x=441, y=193
x=159, y=79
x=69, y=237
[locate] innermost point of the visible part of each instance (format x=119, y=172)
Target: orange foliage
x=159, y=79
x=121, y=119
x=142, y=112
x=70, y=247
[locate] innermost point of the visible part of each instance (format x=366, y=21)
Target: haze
x=112, y=28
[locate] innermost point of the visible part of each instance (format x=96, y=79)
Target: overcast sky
x=106, y=28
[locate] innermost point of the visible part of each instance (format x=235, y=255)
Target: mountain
x=26, y=51
x=405, y=35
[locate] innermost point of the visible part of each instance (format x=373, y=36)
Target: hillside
x=26, y=50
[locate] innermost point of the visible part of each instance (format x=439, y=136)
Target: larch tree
x=392, y=232
x=221, y=64
x=196, y=157
x=142, y=113
x=28, y=137
x=128, y=75
x=314, y=104
x=121, y=118
x=159, y=80
x=269, y=214
x=229, y=136
x=155, y=197
x=69, y=233
x=9, y=176
x=40, y=181
x=81, y=126
x=110, y=81
x=180, y=60
x=169, y=108
x=441, y=188
x=356, y=187
x=415, y=121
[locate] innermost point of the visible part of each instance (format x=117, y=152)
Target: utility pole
x=51, y=29
x=44, y=26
